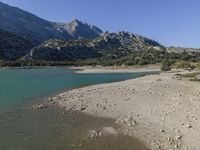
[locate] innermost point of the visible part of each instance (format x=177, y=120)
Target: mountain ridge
x=114, y=45
x=23, y=23
x=42, y=32
x=12, y=46
x=25, y=38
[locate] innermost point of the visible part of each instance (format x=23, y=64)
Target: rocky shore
x=161, y=110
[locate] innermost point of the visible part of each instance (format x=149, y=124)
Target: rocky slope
x=76, y=41
x=78, y=29
x=60, y=50
x=20, y=22
x=123, y=40
x=24, y=24
x=108, y=44
x=13, y=46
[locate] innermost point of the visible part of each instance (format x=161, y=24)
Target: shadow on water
x=50, y=129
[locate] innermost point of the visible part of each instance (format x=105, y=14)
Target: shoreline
x=154, y=108
x=116, y=69
x=96, y=69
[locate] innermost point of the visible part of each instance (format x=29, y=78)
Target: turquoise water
x=51, y=129
x=19, y=86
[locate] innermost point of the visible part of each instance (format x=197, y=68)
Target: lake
x=22, y=128
x=19, y=86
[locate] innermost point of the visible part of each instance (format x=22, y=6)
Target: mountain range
x=20, y=22
x=25, y=36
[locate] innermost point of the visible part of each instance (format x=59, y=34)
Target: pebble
x=178, y=137
x=188, y=125
x=94, y=134
x=83, y=108
x=161, y=130
x=39, y=106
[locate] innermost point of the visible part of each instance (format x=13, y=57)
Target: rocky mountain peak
x=123, y=40
x=79, y=29
x=73, y=25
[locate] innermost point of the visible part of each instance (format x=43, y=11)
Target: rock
x=83, y=108
x=39, y=106
x=161, y=130
x=188, y=125
x=170, y=139
x=127, y=120
x=159, y=80
x=175, y=146
x=178, y=137
x=157, y=146
x=94, y=134
x=194, y=117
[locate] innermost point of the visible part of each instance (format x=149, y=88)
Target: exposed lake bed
x=51, y=129
x=161, y=110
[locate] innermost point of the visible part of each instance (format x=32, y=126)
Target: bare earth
x=117, y=69
x=161, y=110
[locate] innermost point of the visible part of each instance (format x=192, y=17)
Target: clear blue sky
x=171, y=22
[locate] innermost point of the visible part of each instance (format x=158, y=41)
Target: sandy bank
x=117, y=69
x=161, y=110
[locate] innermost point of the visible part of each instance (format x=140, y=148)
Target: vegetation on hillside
x=148, y=56
x=13, y=46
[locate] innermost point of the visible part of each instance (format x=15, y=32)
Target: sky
x=170, y=22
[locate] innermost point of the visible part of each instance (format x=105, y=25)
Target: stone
x=94, y=134
x=83, y=108
x=39, y=106
x=161, y=130
x=188, y=125
x=178, y=137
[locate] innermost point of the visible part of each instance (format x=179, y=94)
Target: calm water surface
x=17, y=86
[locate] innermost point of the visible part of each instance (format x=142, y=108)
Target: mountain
x=123, y=40
x=182, y=49
x=60, y=50
x=13, y=46
x=78, y=29
x=61, y=41
x=25, y=24
x=112, y=45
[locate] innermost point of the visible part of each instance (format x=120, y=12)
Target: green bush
x=166, y=65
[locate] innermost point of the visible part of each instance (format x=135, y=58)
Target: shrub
x=182, y=64
x=166, y=65
x=198, y=65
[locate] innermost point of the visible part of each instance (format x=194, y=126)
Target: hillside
x=13, y=46
x=77, y=29
x=23, y=23
x=113, y=45
x=26, y=39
